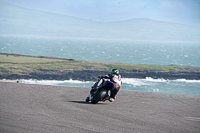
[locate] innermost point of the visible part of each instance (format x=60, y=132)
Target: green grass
x=20, y=64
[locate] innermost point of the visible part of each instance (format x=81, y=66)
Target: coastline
x=10, y=81
x=15, y=66
x=91, y=75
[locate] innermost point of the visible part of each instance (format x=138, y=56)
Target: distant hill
x=22, y=21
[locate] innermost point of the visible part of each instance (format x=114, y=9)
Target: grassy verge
x=21, y=64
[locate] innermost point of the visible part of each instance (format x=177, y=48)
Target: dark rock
x=91, y=75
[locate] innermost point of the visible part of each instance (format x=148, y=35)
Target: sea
x=112, y=50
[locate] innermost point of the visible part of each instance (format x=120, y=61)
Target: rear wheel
x=99, y=96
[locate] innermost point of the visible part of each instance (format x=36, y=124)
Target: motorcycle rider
x=115, y=78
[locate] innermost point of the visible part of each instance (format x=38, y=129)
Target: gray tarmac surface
x=26, y=108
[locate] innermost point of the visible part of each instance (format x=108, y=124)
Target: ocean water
x=123, y=51
x=179, y=86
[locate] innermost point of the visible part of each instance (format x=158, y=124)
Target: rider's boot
x=111, y=99
x=113, y=94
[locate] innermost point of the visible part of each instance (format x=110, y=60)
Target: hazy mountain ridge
x=19, y=20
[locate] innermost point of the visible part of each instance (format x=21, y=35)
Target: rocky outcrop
x=91, y=75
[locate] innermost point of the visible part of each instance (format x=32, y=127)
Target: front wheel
x=87, y=99
x=99, y=96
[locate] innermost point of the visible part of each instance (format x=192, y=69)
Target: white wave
x=52, y=82
x=188, y=81
x=77, y=81
x=147, y=81
x=156, y=80
x=151, y=81
x=131, y=81
x=134, y=81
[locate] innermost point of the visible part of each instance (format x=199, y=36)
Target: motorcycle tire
x=99, y=96
x=87, y=99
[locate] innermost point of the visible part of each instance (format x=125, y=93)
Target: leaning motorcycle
x=101, y=93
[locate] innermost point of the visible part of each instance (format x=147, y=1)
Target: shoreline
x=16, y=66
x=10, y=81
x=20, y=80
x=91, y=75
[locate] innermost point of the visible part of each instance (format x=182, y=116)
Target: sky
x=178, y=11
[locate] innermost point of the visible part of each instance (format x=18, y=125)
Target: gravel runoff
x=28, y=108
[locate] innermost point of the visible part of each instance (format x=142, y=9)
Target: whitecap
x=134, y=81
x=147, y=81
x=155, y=90
x=52, y=82
x=188, y=81
x=156, y=80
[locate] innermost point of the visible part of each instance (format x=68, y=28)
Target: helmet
x=115, y=71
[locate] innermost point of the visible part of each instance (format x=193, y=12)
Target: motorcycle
x=100, y=93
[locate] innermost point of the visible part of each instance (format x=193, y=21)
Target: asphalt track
x=26, y=108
